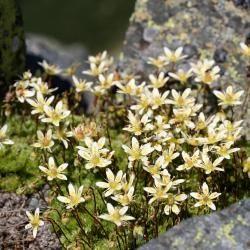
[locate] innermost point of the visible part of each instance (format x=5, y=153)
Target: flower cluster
x=148, y=157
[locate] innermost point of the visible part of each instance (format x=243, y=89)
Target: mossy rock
x=12, y=44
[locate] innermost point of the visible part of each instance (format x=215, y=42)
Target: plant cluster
x=153, y=153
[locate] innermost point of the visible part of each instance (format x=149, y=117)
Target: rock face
x=12, y=45
x=228, y=229
x=211, y=29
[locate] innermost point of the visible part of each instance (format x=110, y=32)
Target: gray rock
x=12, y=45
x=228, y=229
x=45, y=48
x=41, y=48
x=212, y=29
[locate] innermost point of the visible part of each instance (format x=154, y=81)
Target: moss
x=10, y=183
x=18, y=163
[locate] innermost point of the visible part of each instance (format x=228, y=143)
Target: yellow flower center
x=79, y=133
x=170, y=200
x=180, y=101
x=75, y=199
x=168, y=158
x=209, y=166
x=136, y=154
x=205, y=199
x=208, y=77
x=95, y=160
x=55, y=116
x=200, y=125
x=154, y=170
x=182, y=77
x=229, y=98
x=35, y=221
x=46, y=141
x=158, y=101
x=159, y=193
x=190, y=163
x=193, y=141
x=113, y=184
x=116, y=216
x=53, y=172
x=212, y=139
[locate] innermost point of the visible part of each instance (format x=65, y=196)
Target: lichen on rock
x=227, y=229
x=205, y=29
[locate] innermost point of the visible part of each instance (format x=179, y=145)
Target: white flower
x=225, y=150
x=205, y=198
x=126, y=198
x=181, y=100
x=116, y=215
x=95, y=154
x=44, y=140
x=96, y=70
x=158, y=82
x=41, y=87
x=137, y=152
x=208, y=76
x=181, y=75
x=208, y=165
x=144, y=102
x=105, y=82
x=130, y=88
x=157, y=100
x=22, y=90
x=34, y=222
x=74, y=198
x=138, y=125
x=39, y=103
x=3, y=137
x=113, y=183
x=155, y=169
x=172, y=203
x=245, y=49
x=228, y=98
x=62, y=135
x=50, y=69
x=158, y=62
x=169, y=155
x=174, y=56
x=53, y=171
x=158, y=192
x=55, y=115
x=81, y=85
x=190, y=161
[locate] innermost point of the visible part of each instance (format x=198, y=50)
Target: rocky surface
x=12, y=45
x=41, y=48
x=228, y=229
x=45, y=48
x=13, y=220
x=211, y=29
